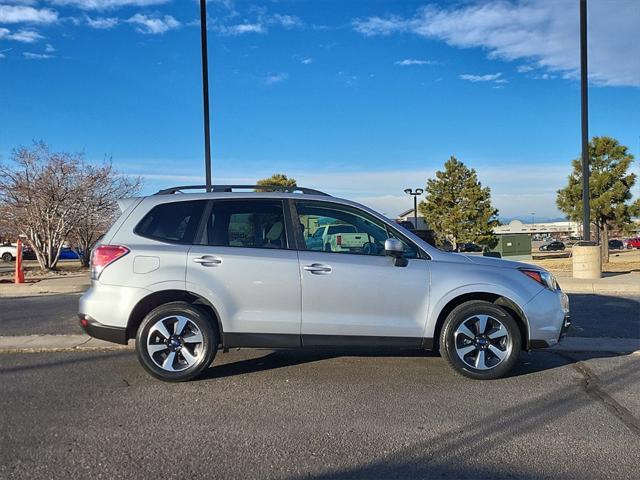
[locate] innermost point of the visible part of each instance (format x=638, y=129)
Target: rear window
x=341, y=229
x=174, y=222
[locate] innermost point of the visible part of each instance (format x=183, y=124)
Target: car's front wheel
x=176, y=342
x=7, y=257
x=480, y=340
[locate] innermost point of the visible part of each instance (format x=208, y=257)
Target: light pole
x=415, y=193
x=586, y=216
x=205, y=93
x=533, y=219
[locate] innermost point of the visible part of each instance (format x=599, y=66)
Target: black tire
x=206, y=350
x=511, y=342
x=7, y=257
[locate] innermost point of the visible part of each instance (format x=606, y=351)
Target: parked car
x=338, y=237
x=469, y=247
x=186, y=275
x=633, y=242
x=8, y=252
x=68, y=253
x=616, y=244
x=553, y=246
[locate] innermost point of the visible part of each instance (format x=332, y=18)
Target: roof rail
x=231, y=188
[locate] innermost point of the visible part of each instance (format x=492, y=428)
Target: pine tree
x=457, y=207
x=609, y=189
x=278, y=179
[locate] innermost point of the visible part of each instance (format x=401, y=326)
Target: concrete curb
x=598, y=287
x=603, y=344
x=56, y=343
x=75, y=343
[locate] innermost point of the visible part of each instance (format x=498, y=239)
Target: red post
x=19, y=278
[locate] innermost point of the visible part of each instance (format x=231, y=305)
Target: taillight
x=338, y=239
x=105, y=255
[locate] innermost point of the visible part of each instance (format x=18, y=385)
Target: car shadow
x=528, y=363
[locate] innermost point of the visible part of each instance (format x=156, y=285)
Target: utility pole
x=205, y=93
x=586, y=214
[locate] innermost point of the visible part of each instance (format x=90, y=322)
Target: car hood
x=489, y=261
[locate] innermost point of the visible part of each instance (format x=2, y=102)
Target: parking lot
x=320, y=414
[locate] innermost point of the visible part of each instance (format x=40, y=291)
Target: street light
x=586, y=217
x=533, y=219
x=415, y=193
x=205, y=93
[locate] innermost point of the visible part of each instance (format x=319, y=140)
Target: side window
x=344, y=230
x=174, y=222
x=248, y=224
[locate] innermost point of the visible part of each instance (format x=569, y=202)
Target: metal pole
x=205, y=93
x=586, y=215
x=415, y=211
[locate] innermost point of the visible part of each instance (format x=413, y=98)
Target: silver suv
x=188, y=274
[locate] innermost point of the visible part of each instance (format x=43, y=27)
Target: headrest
x=275, y=232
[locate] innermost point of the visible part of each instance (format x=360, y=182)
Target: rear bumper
x=103, y=332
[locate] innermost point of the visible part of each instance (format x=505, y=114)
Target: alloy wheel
x=175, y=343
x=482, y=342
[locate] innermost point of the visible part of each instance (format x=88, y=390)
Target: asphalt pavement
x=321, y=415
x=592, y=315
x=42, y=314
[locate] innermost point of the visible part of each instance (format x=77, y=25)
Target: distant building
x=554, y=228
x=408, y=217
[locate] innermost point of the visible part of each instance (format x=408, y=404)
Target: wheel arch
x=496, y=298
x=155, y=299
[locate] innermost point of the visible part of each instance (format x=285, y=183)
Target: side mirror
x=394, y=249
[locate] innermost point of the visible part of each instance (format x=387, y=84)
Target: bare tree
x=102, y=187
x=46, y=196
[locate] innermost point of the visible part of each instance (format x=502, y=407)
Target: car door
x=358, y=296
x=249, y=272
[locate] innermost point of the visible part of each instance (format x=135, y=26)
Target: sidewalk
x=71, y=283
x=55, y=343
x=613, y=283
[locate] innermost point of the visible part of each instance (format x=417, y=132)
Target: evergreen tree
x=278, y=179
x=610, y=186
x=457, y=207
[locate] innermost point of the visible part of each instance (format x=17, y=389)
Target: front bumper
x=103, y=332
x=549, y=318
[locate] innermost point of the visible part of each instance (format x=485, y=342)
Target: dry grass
x=32, y=269
x=619, y=261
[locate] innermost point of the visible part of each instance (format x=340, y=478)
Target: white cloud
x=544, y=33
x=107, y=4
x=490, y=77
x=36, y=56
x=515, y=189
x=101, y=23
x=24, y=36
x=26, y=14
x=306, y=60
x=241, y=29
x=407, y=62
x=273, y=78
x=287, y=21
x=49, y=48
x=525, y=68
x=154, y=25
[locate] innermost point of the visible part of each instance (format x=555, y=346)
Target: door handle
x=318, y=268
x=208, y=260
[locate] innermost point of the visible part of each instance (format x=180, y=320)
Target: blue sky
x=359, y=98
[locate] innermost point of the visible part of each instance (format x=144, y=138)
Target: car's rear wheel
x=480, y=340
x=176, y=342
x=7, y=257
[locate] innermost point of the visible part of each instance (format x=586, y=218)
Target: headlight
x=544, y=278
